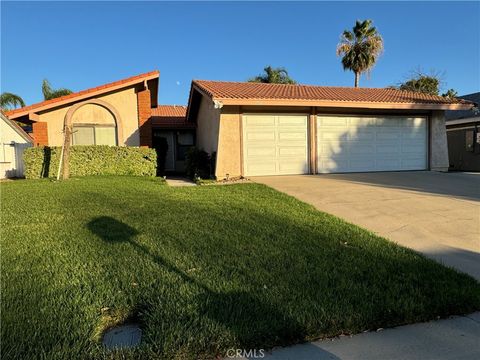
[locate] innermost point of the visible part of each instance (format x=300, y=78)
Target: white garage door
x=275, y=144
x=356, y=144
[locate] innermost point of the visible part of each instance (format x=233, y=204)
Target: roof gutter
x=343, y=104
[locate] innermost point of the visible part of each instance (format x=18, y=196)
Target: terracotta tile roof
x=170, y=116
x=101, y=88
x=221, y=90
x=170, y=111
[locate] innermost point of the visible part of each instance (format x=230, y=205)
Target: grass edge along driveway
x=203, y=269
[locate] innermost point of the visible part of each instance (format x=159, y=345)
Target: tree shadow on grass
x=324, y=277
x=232, y=310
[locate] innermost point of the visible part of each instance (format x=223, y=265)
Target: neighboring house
x=117, y=113
x=13, y=141
x=463, y=136
x=274, y=129
x=168, y=122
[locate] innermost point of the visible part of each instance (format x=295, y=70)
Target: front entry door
x=159, y=139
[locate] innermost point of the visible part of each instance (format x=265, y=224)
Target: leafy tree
x=273, y=76
x=360, y=48
x=50, y=93
x=427, y=84
x=9, y=101
x=450, y=94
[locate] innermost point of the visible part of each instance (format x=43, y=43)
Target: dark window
x=185, y=141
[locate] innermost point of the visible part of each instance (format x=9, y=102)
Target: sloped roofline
x=84, y=94
x=16, y=127
x=238, y=93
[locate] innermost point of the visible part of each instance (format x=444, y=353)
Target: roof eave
x=344, y=104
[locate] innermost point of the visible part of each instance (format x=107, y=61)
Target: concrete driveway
x=437, y=214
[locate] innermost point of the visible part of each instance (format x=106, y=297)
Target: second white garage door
x=381, y=143
x=275, y=145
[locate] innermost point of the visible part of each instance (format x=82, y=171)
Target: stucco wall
x=124, y=101
x=92, y=113
x=11, y=162
x=207, y=126
x=229, y=160
x=438, y=142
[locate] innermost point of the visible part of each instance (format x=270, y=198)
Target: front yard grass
x=202, y=269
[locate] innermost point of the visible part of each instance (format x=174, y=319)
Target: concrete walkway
x=179, y=181
x=455, y=338
x=437, y=214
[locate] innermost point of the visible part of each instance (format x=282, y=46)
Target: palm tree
x=9, y=101
x=273, y=76
x=49, y=93
x=360, y=48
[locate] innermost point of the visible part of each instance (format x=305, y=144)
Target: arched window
x=94, y=122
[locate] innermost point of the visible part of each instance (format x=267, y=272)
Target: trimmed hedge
x=42, y=161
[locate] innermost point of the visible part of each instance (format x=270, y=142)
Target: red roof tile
x=170, y=116
x=221, y=90
x=170, y=111
x=52, y=102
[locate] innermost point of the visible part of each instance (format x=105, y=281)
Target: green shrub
x=199, y=164
x=43, y=161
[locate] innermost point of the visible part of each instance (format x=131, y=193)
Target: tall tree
x=9, y=101
x=427, y=84
x=273, y=76
x=50, y=93
x=360, y=48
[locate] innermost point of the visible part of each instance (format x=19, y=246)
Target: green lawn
x=202, y=269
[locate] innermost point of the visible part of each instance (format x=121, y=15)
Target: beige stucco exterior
x=99, y=114
x=229, y=157
x=124, y=101
x=208, y=122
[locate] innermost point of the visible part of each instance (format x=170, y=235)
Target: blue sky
x=85, y=44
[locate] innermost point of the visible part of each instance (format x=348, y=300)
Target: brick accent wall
x=144, y=117
x=40, y=133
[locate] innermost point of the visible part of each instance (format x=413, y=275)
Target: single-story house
x=256, y=129
x=118, y=113
x=274, y=129
x=463, y=136
x=13, y=141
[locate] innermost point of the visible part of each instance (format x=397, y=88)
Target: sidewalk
x=454, y=338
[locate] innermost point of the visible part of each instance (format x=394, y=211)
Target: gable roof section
x=170, y=116
x=88, y=93
x=247, y=93
x=18, y=129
